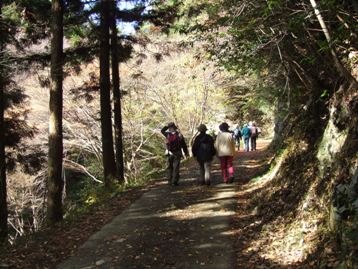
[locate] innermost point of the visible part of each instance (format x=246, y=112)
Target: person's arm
x=212, y=142
x=216, y=143
x=194, y=147
x=184, y=146
x=164, y=130
x=232, y=145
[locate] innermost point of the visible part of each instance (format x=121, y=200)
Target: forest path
x=185, y=226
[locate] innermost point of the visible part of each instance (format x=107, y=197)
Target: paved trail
x=185, y=226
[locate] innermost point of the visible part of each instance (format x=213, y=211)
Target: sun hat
x=224, y=127
x=172, y=125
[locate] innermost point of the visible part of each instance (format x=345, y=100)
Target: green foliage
x=76, y=34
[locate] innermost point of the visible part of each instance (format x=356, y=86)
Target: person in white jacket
x=225, y=147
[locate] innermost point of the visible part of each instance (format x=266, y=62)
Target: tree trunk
x=116, y=96
x=3, y=190
x=55, y=181
x=109, y=165
x=340, y=67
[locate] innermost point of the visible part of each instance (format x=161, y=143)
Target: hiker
x=245, y=132
x=253, y=135
x=203, y=150
x=175, y=144
x=225, y=148
x=237, y=136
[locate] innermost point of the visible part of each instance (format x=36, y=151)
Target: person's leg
x=202, y=173
x=230, y=168
x=223, y=163
x=207, y=166
x=176, y=168
x=170, y=169
x=246, y=141
x=254, y=143
x=238, y=145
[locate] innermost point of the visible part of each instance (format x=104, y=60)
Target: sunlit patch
x=212, y=207
x=286, y=245
x=285, y=242
x=229, y=232
x=198, y=211
x=303, y=145
x=272, y=173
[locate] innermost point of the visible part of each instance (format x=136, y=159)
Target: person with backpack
x=225, y=147
x=203, y=150
x=175, y=144
x=237, y=136
x=253, y=136
x=245, y=132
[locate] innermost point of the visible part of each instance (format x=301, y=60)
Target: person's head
x=202, y=128
x=172, y=127
x=254, y=123
x=224, y=127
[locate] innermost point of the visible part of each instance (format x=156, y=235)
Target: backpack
x=253, y=131
x=237, y=134
x=206, y=150
x=174, y=142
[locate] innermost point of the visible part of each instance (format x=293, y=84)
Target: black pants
x=173, y=168
x=253, y=142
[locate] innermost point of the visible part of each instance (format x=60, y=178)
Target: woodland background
x=289, y=65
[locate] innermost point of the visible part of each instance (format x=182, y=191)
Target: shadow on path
x=185, y=226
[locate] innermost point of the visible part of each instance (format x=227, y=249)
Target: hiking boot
x=207, y=183
x=231, y=179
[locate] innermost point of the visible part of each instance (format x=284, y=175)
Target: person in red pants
x=225, y=147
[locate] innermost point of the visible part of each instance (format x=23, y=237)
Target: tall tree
x=3, y=191
x=340, y=67
x=55, y=181
x=109, y=165
x=116, y=95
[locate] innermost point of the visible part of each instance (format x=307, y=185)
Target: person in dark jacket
x=237, y=136
x=203, y=150
x=175, y=144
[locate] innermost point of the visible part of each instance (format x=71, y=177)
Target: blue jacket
x=245, y=132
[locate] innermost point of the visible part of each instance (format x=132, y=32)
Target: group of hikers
x=249, y=134
x=205, y=147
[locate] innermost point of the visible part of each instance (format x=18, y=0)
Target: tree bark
x=116, y=96
x=109, y=165
x=3, y=188
x=55, y=181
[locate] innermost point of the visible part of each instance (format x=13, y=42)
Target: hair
x=202, y=128
x=224, y=127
